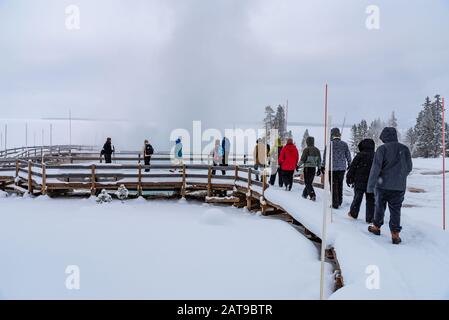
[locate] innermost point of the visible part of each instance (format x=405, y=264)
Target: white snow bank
x=151, y=249
x=416, y=269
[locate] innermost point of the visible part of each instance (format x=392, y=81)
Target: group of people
x=379, y=175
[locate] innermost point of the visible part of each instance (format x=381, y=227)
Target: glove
x=297, y=168
x=318, y=172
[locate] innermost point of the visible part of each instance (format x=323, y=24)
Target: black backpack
x=149, y=149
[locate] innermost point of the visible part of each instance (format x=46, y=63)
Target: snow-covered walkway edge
x=416, y=269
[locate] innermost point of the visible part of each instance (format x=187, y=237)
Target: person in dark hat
x=341, y=159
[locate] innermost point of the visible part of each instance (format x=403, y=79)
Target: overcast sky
x=158, y=65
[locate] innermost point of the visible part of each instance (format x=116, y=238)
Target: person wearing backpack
x=107, y=151
x=357, y=177
x=311, y=161
x=177, y=160
x=147, y=153
x=217, y=154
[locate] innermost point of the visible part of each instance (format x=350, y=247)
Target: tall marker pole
x=70, y=129
x=444, y=171
x=325, y=116
x=326, y=209
x=26, y=134
x=6, y=137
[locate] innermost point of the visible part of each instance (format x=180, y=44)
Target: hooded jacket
x=288, y=159
x=341, y=156
x=260, y=153
x=359, y=170
x=178, y=149
x=392, y=164
x=311, y=156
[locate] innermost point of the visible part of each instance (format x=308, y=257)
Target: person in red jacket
x=288, y=160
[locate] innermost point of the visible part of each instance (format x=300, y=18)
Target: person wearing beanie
x=311, y=161
x=341, y=159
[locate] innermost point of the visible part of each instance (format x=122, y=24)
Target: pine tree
x=363, y=130
x=304, y=138
x=280, y=122
x=358, y=132
x=393, y=121
x=437, y=108
x=374, y=131
x=354, y=137
x=428, y=129
x=410, y=140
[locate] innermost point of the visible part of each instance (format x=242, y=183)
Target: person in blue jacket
x=388, y=180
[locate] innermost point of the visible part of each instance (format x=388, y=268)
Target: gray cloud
x=161, y=64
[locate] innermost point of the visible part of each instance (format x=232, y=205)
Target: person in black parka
x=388, y=180
x=107, y=150
x=147, y=153
x=357, y=177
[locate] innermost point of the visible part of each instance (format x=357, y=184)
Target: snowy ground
x=182, y=250
x=416, y=269
x=151, y=249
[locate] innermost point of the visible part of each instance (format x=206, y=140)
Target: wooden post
x=92, y=180
x=139, y=159
x=183, y=190
x=44, y=180
x=30, y=178
x=236, y=178
x=248, y=191
x=264, y=186
x=17, y=168
x=139, y=180
x=209, y=181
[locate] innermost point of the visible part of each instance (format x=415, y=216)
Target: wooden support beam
x=44, y=180
x=209, y=181
x=139, y=179
x=92, y=180
x=30, y=178
x=248, y=193
x=17, y=168
x=183, y=189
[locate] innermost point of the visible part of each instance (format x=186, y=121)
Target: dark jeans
x=147, y=163
x=288, y=178
x=108, y=158
x=309, y=176
x=273, y=178
x=336, y=180
x=355, y=206
x=214, y=171
x=394, y=200
x=224, y=164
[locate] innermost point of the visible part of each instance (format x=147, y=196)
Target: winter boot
x=304, y=196
x=351, y=216
x=374, y=230
x=313, y=198
x=395, y=239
